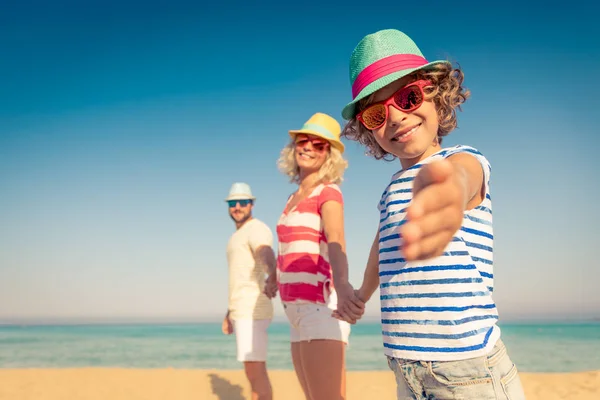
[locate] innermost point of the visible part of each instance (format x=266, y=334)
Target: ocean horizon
x=534, y=347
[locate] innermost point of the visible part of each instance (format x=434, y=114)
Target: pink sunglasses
x=406, y=99
x=319, y=145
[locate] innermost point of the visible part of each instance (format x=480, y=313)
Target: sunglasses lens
x=374, y=116
x=243, y=203
x=320, y=146
x=409, y=98
x=317, y=145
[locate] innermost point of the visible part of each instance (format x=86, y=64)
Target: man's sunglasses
x=242, y=203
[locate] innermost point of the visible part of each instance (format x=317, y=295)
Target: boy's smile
x=405, y=134
x=410, y=136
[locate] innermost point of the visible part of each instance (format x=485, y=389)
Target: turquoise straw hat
x=379, y=59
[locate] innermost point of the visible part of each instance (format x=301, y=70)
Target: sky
x=123, y=125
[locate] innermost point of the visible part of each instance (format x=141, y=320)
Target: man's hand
x=227, y=326
x=271, y=286
x=350, y=308
x=440, y=195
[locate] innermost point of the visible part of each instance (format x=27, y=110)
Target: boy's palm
x=435, y=212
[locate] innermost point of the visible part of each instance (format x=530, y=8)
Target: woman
x=312, y=264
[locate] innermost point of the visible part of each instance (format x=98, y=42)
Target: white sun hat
x=240, y=191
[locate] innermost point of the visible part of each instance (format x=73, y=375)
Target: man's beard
x=244, y=218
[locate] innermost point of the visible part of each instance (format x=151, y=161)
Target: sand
x=175, y=384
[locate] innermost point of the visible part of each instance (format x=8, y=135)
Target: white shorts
x=312, y=321
x=251, y=339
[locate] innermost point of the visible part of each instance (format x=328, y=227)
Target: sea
x=533, y=347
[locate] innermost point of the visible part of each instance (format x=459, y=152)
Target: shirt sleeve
x=330, y=193
x=260, y=236
x=381, y=203
x=485, y=164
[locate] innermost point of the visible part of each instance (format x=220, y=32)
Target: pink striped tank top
x=304, y=272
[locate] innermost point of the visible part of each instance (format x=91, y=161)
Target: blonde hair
x=332, y=170
x=446, y=92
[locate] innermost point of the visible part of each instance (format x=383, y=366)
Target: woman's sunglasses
x=407, y=99
x=242, y=203
x=319, y=145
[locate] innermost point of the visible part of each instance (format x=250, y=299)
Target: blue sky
x=123, y=125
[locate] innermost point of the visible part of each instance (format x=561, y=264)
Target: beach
x=196, y=361
x=183, y=384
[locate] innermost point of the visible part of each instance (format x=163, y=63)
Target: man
x=250, y=255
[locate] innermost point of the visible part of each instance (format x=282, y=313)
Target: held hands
x=270, y=289
x=350, y=307
x=436, y=210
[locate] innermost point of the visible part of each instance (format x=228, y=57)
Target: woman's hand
x=350, y=307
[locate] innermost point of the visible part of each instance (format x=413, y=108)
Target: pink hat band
x=384, y=67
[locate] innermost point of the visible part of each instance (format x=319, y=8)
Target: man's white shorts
x=251, y=338
x=311, y=321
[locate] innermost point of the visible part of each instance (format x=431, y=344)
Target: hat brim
x=240, y=197
x=349, y=111
x=335, y=143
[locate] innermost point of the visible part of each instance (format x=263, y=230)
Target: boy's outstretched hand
x=440, y=195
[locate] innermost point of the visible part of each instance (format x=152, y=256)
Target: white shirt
x=246, y=275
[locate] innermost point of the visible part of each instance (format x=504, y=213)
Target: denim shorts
x=490, y=377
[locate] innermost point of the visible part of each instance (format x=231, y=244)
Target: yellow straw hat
x=324, y=126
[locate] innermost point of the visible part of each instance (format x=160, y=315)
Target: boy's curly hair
x=446, y=92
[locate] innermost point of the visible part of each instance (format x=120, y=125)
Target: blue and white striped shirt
x=439, y=309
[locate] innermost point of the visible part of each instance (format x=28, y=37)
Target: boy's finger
x=429, y=247
x=342, y=313
x=357, y=302
x=343, y=318
x=446, y=219
x=428, y=200
x=353, y=310
x=435, y=172
x=434, y=198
